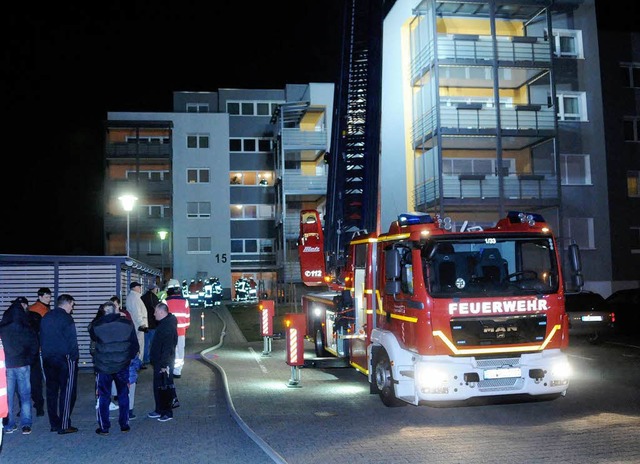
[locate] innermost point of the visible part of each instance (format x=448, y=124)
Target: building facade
x=206, y=174
x=620, y=63
x=487, y=106
x=491, y=106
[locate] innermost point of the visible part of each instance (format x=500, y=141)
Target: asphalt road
x=239, y=408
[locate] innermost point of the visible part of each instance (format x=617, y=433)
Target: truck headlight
x=431, y=379
x=561, y=370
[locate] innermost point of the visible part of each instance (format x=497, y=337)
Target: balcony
x=141, y=224
x=150, y=188
x=477, y=50
x=296, y=139
x=522, y=188
x=522, y=125
x=292, y=226
x=124, y=150
x=294, y=182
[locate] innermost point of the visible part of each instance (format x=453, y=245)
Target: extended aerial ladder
x=352, y=188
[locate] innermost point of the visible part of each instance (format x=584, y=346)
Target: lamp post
x=163, y=235
x=127, y=204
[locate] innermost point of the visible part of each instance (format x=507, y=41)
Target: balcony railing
x=295, y=181
x=303, y=140
x=516, y=187
x=479, y=50
x=132, y=150
x=292, y=227
x=147, y=186
x=463, y=117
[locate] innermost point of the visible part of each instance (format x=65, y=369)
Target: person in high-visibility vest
x=179, y=307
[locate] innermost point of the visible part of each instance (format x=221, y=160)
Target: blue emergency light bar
x=519, y=216
x=407, y=219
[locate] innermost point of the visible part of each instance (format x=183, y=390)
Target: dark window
x=250, y=246
x=264, y=145
x=247, y=109
x=263, y=109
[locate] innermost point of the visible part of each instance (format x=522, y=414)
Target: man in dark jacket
x=36, y=311
x=59, y=347
x=162, y=356
x=20, y=348
x=150, y=300
x=116, y=345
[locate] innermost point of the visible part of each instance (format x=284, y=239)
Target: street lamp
x=127, y=204
x=163, y=235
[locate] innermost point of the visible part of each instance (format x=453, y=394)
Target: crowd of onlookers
x=41, y=356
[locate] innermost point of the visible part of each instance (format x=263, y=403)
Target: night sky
x=66, y=65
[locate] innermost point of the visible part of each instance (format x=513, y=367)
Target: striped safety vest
x=180, y=308
x=4, y=400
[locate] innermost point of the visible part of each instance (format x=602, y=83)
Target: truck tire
x=318, y=343
x=383, y=379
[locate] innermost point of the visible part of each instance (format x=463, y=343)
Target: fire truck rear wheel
x=383, y=378
x=319, y=344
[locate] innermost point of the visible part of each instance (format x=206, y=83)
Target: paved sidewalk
x=202, y=431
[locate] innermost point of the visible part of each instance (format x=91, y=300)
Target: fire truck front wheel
x=383, y=378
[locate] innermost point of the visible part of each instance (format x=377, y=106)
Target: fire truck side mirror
x=574, y=256
x=392, y=272
x=576, y=266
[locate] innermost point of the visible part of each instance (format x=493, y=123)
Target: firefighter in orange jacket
x=179, y=307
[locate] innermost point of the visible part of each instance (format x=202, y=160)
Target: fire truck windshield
x=480, y=265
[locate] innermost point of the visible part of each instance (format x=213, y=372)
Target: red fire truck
x=428, y=313
x=433, y=315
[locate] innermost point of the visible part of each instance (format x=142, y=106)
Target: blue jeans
x=148, y=337
x=104, y=382
x=19, y=381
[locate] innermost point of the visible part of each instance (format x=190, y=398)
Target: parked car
x=589, y=316
x=626, y=306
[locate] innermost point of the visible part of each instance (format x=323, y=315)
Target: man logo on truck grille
x=500, y=331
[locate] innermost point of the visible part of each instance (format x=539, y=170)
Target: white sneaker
x=113, y=407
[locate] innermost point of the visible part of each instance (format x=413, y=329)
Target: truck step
x=326, y=363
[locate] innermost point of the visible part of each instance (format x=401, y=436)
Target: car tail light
x=612, y=316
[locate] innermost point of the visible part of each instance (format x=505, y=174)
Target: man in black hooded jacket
x=20, y=349
x=116, y=345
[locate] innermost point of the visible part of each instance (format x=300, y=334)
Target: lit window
x=633, y=183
